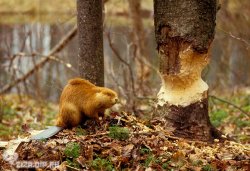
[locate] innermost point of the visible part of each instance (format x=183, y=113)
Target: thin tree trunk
x=184, y=31
x=2, y=55
x=140, y=45
x=90, y=58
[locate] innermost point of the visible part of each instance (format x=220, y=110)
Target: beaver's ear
x=98, y=90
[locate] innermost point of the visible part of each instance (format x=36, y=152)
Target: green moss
x=80, y=131
x=207, y=167
x=72, y=150
x=197, y=163
x=165, y=165
x=73, y=163
x=4, y=131
x=102, y=164
x=144, y=150
x=118, y=133
x=149, y=160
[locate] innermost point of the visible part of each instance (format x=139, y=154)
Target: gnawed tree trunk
x=90, y=29
x=184, y=31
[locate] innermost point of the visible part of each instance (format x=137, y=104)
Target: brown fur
x=80, y=98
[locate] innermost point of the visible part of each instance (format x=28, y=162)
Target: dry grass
x=38, y=6
x=58, y=11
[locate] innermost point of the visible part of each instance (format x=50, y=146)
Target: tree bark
x=184, y=31
x=90, y=28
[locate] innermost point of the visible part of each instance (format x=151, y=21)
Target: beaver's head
x=107, y=97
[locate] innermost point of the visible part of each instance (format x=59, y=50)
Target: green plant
x=72, y=163
x=240, y=121
x=144, y=150
x=4, y=130
x=80, y=131
x=1, y=110
x=165, y=165
x=197, y=163
x=149, y=159
x=72, y=150
x=218, y=116
x=118, y=133
x=102, y=164
x=7, y=111
x=207, y=167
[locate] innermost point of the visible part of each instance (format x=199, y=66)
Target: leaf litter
x=134, y=145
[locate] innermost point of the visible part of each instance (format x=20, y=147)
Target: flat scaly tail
x=51, y=131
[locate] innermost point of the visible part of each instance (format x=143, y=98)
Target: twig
x=129, y=68
x=57, y=48
x=233, y=36
x=118, y=85
x=54, y=58
x=57, y=59
x=229, y=103
x=123, y=61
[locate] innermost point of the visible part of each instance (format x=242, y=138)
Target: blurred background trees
x=29, y=29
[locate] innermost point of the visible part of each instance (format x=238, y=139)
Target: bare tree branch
x=57, y=48
x=231, y=104
x=235, y=37
x=123, y=61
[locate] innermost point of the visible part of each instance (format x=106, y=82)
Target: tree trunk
x=90, y=29
x=140, y=47
x=184, y=31
x=2, y=61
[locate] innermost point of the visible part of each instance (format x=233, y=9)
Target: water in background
x=23, y=46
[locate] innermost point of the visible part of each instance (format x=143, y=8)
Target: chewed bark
x=183, y=97
x=185, y=86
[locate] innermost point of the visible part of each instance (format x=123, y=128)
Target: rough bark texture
x=90, y=27
x=191, y=122
x=184, y=31
x=180, y=23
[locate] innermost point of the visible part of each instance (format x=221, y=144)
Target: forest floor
x=123, y=141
